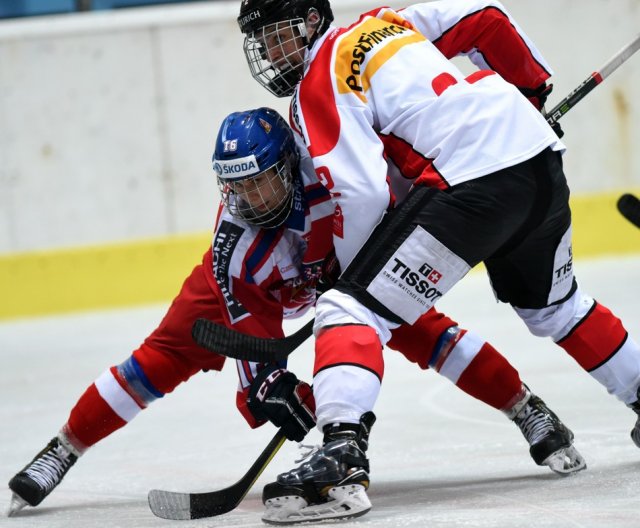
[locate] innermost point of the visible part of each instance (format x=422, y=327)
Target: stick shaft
x=593, y=80
x=629, y=206
x=184, y=506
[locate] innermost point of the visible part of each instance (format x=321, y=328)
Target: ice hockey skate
x=330, y=485
x=38, y=478
x=550, y=441
x=635, y=432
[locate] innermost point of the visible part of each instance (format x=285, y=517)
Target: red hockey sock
x=417, y=342
x=357, y=345
x=490, y=378
x=464, y=358
x=91, y=420
x=595, y=339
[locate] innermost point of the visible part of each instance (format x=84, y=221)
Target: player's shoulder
x=232, y=232
x=227, y=222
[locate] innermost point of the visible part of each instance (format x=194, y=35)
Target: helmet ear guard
x=313, y=20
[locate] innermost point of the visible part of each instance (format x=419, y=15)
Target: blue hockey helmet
x=255, y=159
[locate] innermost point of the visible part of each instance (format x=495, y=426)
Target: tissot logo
x=566, y=267
x=431, y=274
x=413, y=278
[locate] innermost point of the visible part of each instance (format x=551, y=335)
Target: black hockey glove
x=557, y=129
x=279, y=396
x=538, y=97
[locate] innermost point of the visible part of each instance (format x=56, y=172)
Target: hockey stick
x=629, y=207
x=185, y=506
x=592, y=81
x=231, y=343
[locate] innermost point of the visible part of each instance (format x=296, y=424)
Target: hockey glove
x=557, y=129
x=538, y=97
x=330, y=273
x=279, y=396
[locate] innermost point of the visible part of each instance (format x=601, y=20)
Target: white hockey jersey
x=381, y=88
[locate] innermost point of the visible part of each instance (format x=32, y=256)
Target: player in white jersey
x=272, y=238
x=486, y=185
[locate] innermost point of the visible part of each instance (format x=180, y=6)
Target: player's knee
x=552, y=321
x=356, y=345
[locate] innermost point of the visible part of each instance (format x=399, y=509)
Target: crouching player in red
x=272, y=238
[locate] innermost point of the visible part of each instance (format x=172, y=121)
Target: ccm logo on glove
x=279, y=396
x=267, y=384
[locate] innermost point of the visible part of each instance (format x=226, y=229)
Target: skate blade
x=16, y=504
x=565, y=461
x=345, y=502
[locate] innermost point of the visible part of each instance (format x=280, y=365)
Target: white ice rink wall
x=107, y=122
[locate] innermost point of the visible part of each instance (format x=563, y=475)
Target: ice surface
x=439, y=458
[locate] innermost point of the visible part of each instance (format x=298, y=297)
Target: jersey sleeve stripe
x=490, y=31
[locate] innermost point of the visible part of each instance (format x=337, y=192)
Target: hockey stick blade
x=629, y=207
x=184, y=506
x=231, y=343
x=593, y=80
